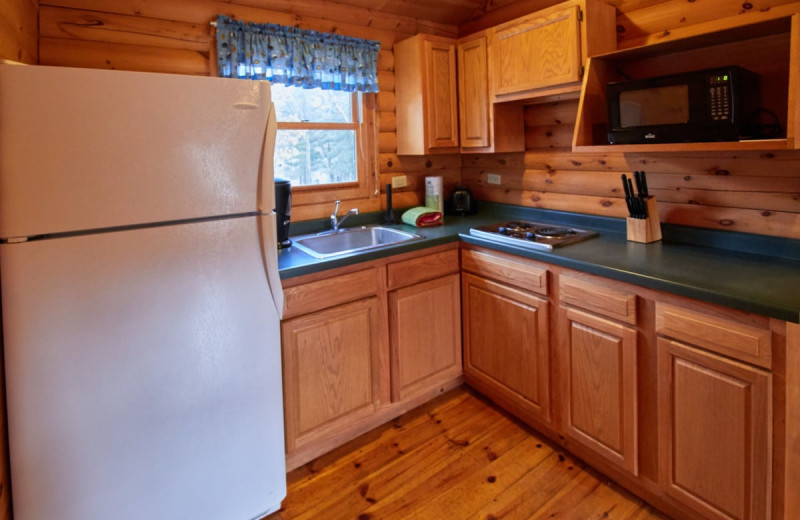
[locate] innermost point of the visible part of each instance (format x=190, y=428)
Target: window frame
x=364, y=187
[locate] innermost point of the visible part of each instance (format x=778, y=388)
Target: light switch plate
x=493, y=178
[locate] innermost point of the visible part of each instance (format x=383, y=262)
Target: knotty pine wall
x=176, y=37
x=19, y=38
x=753, y=192
x=18, y=42
x=749, y=192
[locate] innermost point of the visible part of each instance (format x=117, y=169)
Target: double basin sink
x=351, y=240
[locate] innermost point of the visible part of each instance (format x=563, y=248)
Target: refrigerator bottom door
x=143, y=375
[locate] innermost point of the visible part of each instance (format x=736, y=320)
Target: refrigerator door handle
x=267, y=223
x=269, y=253
x=266, y=185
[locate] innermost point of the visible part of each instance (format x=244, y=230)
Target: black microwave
x=704, y=105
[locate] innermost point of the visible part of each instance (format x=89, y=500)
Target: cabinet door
x=537, y=51
x=425, y=328
x=330, y=370
x=473, y=92
x=442, y=108
x=714, y=417
x=600, y=373
x=506, y=346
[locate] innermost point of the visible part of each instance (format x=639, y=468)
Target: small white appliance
x=140, y=295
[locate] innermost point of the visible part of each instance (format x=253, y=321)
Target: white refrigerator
x=140, y=295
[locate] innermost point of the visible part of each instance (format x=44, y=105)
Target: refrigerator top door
x=91, y=149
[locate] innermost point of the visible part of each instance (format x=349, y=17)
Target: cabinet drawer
x=313, y=296
x=724, y=336
x=409, y=272
x=600, y=299
x=518, y=273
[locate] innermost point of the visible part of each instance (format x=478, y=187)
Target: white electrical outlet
x=399, y=181
x=493, y=178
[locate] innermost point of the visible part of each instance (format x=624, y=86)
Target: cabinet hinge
x=580, y=15
x=581, y=70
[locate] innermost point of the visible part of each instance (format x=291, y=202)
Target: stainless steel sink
x=351, y=240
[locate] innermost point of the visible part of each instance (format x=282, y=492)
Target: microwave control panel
x=719, y=97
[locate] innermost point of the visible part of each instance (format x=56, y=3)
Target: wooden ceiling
x=449, y=12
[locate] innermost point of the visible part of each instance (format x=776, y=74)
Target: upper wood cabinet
x=485, y=126
x=543, y=54
x=743, y=40
x=425, y=95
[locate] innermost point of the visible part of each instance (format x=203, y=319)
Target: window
x=317, y=135
x=324, y=87
x=323, y=143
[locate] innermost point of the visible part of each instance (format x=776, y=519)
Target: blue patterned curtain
x=293, y=56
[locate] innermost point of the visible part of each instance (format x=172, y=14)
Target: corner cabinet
x=543, y=53
x=426, y=95
x=486, y=127
x=506, y=332
x=424, y=323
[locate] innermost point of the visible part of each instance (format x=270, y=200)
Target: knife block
x=648, y=229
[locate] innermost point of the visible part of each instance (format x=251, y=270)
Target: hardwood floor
x=456, y=457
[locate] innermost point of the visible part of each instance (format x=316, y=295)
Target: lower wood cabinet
x=600, y=387
x=425, y=335
x=714, y=432
x=506, y=346
x=362, y=346
x=331, y=370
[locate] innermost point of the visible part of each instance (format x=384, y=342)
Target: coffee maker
x=283, y=210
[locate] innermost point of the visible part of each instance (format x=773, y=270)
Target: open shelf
x=762, y=45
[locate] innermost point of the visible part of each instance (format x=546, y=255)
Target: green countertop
x=752, y=273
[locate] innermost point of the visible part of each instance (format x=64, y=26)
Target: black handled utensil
x=628, y=195
x=645, y=192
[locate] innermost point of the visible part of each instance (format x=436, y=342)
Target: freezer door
x=143, y=375
x=86, y=149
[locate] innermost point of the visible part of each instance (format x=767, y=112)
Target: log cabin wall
x=176, y=37
x=744, y=191
x=18, y=42
x=19, y=39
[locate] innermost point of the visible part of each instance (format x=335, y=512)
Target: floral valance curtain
x=293, y=56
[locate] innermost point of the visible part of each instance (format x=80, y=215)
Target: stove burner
x=555, y=232
x=534, y=235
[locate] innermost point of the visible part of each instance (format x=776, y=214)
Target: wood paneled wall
x=176, y=37
x=19, y=38
x=750, y=192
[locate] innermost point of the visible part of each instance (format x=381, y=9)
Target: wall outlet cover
x=399, y=181
x=493, y=178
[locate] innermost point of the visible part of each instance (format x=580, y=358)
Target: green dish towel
x=422, y=216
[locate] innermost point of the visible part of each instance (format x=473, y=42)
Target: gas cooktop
x=533, y=235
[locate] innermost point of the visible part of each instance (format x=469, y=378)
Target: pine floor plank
x=454, y=458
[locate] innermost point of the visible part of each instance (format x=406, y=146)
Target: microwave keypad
x=719, y=98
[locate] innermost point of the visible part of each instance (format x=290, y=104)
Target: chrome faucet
x=335, y=221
